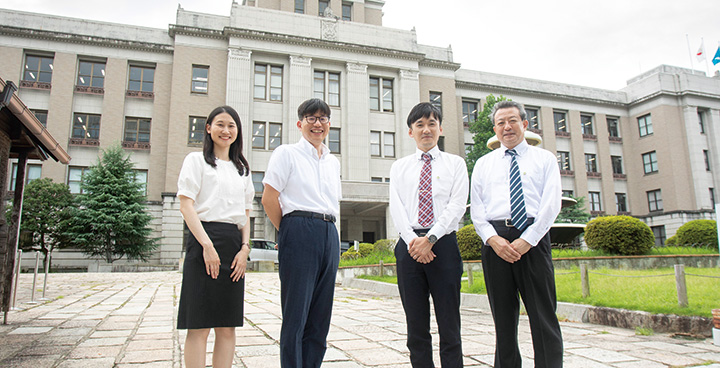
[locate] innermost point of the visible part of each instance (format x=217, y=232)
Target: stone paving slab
x=127, y=320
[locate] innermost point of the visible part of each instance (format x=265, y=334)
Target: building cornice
x=176, y=29
x=514, y=90
x=675, y=94
x=441, y=64
x=325, y=44
x=85, y=39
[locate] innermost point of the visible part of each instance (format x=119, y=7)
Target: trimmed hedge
x=697, y=232
x=623, y=235
x=384, y=246
x=469, y=243
x=364, y=249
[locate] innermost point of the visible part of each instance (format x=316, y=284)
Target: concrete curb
x=573, y=312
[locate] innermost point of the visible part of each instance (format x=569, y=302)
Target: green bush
x=698, y=232
x=350, y=254
x=469, y=243
x=622, y=235
x=364, y=249
x=384, y=246
x=671, y=241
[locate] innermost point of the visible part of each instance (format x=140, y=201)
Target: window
x=346, y=10
x=389, y=144
x=645, y=125
x=650, y=163
x=86, y=126
x=381, y=92
x=376, y=179
x=595, y=201
x=712, y=196
x=257, y=178
x=268, y=75
x=137, y=130
x=327, y=87
x=300, y=6
x=441, y=143
x=38, y=68
x=199, y=83
x=141, y=78
x=701, y=121
x=654, y=198
x=560, y=118
x=706, y=157
x=436, y=100
x=266, y=135
x=621, y=202
x=564, y=160
x=613, y=125
x=196, y=130
x=41, y=115
x=75, y=176
x=322, y=5
x=91, y=74
x=141, y=176
x=590, y=162
x=334, y=140
x=586, y=122
x=659, y=233
x=32, y=172
x=616, y=164
x=533, y=118
x=567, y=193
x=469, y=111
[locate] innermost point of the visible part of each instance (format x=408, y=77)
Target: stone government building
x=649, y=150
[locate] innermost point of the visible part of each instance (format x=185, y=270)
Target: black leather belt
x=421, y=232
x=315, y=215
x=508, y=222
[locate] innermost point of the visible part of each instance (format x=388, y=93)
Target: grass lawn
x=651, y=292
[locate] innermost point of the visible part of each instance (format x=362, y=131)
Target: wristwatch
x=432, y=238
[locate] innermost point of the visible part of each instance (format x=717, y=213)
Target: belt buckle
x=327, y=217
x=508, y=223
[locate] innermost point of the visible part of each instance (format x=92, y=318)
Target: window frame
x=347, y=5
x=380, y=88
x=40, y=71
x=301, y=8
x=595, y=201
x=327, y=84
x=616, y=162
x=591, y=164
x=385, y=144
x=191, y=131
x=566, y=156
x=262, y=187
x=613, y=128
x=332, y=142
x=435, y=99
x=143, y=81
x=558, y=122
x=28, y=168
x=660, y=235
x=651, y=162
x=621, y=207
x=587, y=124
x=536, y=124
x=78, y=124
x=92, y=77
x=701, y=121
x=655, y=203
x=41, y=115
x=83, y=170
x=467, y=113
x=197, y=83
x=137, y=129
x=145, y=183
x=321, y=8
x=706, y=157
x=268, y=82
x=645, y=127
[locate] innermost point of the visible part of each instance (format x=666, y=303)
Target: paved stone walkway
x=127, y=320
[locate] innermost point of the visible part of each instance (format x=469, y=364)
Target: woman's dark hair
x=236, y=155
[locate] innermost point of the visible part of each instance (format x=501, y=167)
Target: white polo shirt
x=305, y=181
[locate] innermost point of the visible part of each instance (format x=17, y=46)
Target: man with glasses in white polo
x=301, y=198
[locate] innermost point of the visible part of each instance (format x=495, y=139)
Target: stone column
x=300, y=80
x=238, y=93
x=355, y=133
x=408, y=91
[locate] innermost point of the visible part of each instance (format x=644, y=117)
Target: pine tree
x=45, y=212
x=111, y=220
x=482, y=130
x=575, y=213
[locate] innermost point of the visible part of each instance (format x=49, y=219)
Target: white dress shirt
x=490, y=190
x=305, y=181
x=220, y=193
x=449, y=193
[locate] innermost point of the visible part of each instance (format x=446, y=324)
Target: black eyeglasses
x=312, y=119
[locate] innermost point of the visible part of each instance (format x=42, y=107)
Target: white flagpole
x=687, y=38
x=702, y=44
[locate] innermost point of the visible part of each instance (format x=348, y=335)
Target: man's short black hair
x=423, y=110
x=311, y=106
x=508, y=105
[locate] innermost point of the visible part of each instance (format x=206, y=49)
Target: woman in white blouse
x=216, y=191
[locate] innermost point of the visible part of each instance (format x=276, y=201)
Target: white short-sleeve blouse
x=220, y=193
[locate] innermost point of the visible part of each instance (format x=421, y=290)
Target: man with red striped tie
x=428, y=193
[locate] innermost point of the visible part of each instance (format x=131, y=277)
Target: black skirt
x=206, y=302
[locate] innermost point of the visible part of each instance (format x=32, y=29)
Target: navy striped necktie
x=517, y=199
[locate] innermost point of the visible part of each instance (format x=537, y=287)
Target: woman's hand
x=239, y=264
x=212, y=261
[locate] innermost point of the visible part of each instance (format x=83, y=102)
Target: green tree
x=576, y=213
x=111, y=220
x=482, y=130
x=45, y=212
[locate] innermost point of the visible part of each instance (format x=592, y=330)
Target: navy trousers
x=533, y=277
x=308, y=255
x=441, y=279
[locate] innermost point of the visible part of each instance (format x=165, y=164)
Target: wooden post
x=680, y=285
x=584, y=280
x=470, y=274
x=382, y=268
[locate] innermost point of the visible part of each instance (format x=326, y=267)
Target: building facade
x=649, y=150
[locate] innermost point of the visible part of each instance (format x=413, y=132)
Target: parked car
x=263, y=250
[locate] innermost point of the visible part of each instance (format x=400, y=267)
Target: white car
x=263, y=250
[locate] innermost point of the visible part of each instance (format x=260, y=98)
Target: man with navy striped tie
x=515, y=198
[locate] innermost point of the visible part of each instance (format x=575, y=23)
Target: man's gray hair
x=505, y=105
